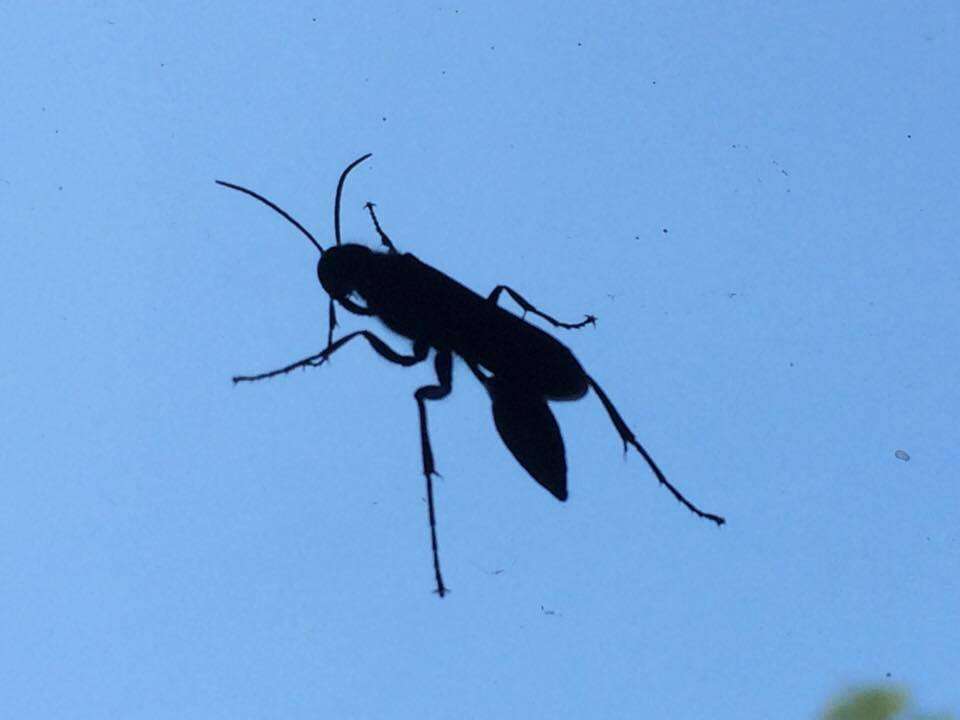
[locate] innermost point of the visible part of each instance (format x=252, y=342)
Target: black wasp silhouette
x=520, y=365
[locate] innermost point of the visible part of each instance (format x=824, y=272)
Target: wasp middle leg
x=528, y=308
x=443, y=364
x=384, y=238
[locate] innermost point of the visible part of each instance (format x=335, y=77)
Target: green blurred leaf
x=877, y=703
x=868, y=704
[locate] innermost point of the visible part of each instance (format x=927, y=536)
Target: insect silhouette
x=520, y=365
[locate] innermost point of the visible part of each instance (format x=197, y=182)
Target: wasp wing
x=531, y=434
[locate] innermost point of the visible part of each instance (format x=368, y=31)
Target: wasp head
x=342, y=269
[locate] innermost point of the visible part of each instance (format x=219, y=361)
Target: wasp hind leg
x=528, y=308
x=443, y=363
x=627, y=436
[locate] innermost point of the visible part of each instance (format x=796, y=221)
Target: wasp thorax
x=342, y=269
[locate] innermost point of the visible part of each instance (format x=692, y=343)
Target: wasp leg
x=354, y=308
x=383, y=236
x=527, y=307
x=382, y=349
x=478, y=373
x=627, y=436
x=443, y=363
x=332, y=314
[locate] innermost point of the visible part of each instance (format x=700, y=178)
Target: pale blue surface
x=175, y=547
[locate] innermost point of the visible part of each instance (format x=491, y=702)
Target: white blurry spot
x=902, y=455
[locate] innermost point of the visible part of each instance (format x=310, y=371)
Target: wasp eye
x=325, y=276
x=332, y=282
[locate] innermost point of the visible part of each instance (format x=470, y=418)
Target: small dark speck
x=443, y=72
x=313, y=19
x=909, y=136
x=579, y=44
x=785, y=173
x=384, y=118
x=791, y=364
x=636, y=237
x=492, y=47
x=902, y=455
x=162, y=65
x=110, y=22
x=888, y=674
x=654, y=82
x=60, y=187
x=56, y=132
x=547, y=612
x=497, y=572
x=665, y=231
x=731, y=294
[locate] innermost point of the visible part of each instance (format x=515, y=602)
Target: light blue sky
x=759, y=203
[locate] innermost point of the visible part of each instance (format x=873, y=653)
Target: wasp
x=521, y=366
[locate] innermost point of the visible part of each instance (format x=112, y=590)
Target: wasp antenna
x=274, y=206
x=336, y=202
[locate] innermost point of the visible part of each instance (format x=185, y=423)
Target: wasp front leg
x=420, y=352
x=528, y=308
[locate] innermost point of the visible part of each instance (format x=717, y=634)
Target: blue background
x=758, y=201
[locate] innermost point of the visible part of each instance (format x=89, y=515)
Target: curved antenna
x=276, y=207
x=336, y=202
